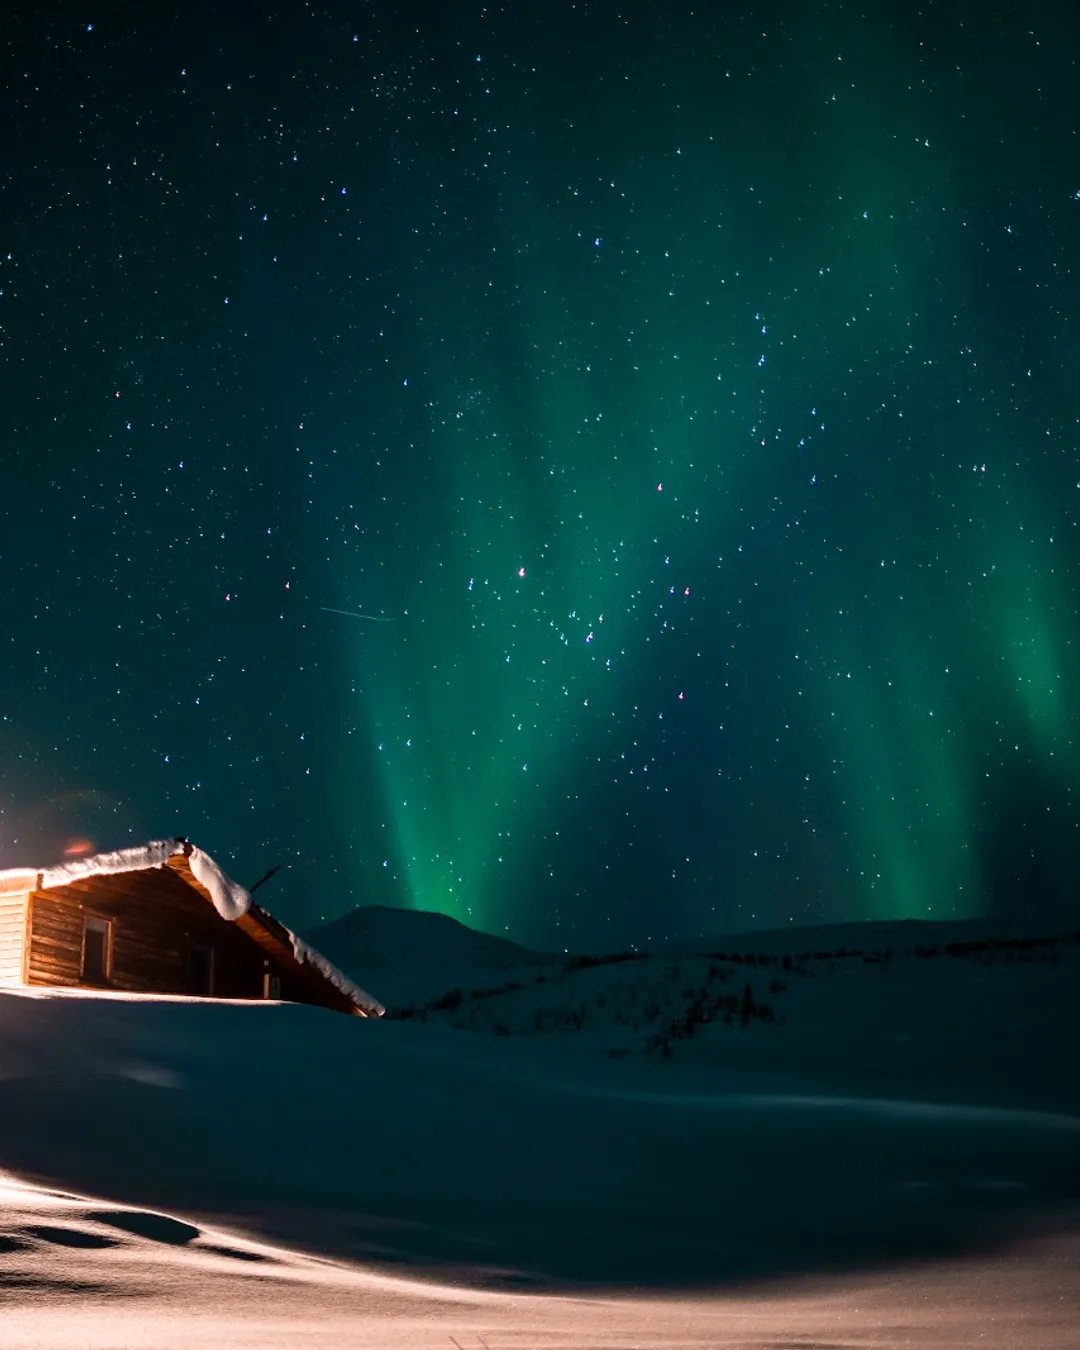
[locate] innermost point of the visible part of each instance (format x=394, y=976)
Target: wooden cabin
x=160, y=919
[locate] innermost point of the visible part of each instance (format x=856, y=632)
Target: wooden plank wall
x=55, y=955
x=156, y=919
x=12, y=937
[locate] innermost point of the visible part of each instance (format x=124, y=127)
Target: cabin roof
x=196, y=869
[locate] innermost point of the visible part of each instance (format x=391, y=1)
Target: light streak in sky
x=351, y=614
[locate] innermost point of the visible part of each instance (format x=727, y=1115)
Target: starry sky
x=603, y=471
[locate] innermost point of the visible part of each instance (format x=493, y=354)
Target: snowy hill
x=416, y=954
x=940, y=1003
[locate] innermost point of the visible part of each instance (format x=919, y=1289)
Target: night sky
x=603, y=471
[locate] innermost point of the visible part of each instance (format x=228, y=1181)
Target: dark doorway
x=200, y=971
x=95, y=961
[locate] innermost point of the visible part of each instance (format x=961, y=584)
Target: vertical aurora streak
x=738, y=587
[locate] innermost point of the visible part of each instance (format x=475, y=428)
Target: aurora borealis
x=602, y=471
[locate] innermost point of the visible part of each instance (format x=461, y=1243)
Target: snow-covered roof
x=229, y=898
x=309, y=956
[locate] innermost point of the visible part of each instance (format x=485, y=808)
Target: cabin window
x=200, y=971
x=97, y=934
x=271, y=985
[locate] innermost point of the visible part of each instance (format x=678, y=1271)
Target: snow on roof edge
x=309, y=956
x=155, y=854
x=18, y=879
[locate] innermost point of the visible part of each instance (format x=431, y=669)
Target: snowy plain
x=892, y=1158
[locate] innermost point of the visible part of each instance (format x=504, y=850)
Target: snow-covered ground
x=891, y=1158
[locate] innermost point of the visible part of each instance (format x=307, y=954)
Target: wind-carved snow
x=229, y=897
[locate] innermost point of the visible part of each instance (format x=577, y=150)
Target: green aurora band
x=724, y=499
